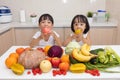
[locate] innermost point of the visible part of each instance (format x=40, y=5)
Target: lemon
x=78, y=31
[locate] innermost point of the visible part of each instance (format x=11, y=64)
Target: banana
x=85, y=49
x=80, y=57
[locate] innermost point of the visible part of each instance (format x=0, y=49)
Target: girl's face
x=45, y=24
x=79, y=25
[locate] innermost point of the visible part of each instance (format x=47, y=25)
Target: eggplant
x=94, y=60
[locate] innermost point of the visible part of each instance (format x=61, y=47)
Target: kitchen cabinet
x=6, y=40
x=99, y=36
x=103, y=36
x=23, y=35
x=67, y=32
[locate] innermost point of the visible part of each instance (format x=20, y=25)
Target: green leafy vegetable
x=69, y=48
x=110, y=51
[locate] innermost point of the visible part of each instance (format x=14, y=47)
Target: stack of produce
x=77, y=59
x=107, y=58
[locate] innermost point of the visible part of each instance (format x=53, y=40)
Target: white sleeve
x=56, y=34
x=36, y=35
x=85, y=35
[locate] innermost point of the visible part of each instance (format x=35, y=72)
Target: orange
x=28, y=49
x=46, y=48
x=64, y=66
x=10, y=61
x=65, y=58
x=14, y=55
x=20, y=50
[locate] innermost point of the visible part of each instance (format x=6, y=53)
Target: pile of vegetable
x=77, y=59
x=107, y=58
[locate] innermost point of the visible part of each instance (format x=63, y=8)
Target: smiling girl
x=80, y=28
x=45, y=36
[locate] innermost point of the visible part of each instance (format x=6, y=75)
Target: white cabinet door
x=6, y=41
x=23, y=36
x=103, y=36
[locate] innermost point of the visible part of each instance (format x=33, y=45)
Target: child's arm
x=87, y=39
x=35, y=41
x=69, y=39
x=57, y=39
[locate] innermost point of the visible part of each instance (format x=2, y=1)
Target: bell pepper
x=77, y=68
x=17, y=68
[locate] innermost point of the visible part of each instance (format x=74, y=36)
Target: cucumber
x=72, y=60
x=95, y=51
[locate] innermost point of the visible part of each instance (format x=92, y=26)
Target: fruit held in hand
x=45, y=65
x=78, y=31
x=46, y=30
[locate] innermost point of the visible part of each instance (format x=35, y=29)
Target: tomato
x=93, y=72
x=59, y=72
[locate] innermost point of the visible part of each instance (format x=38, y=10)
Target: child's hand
x=75, y=36
x=53, y=34
x=46, y=31
x=41, y=36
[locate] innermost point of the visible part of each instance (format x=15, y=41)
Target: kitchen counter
x=6, y=73
x=4, y=27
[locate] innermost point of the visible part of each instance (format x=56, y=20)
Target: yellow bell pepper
x=17, y=68
x=78, y=68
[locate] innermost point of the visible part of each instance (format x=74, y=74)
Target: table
x=6, y=73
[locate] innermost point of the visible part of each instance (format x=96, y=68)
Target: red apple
x=55, y=62
x=46, y=30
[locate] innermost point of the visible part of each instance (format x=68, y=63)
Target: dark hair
x=81, y=18
x=45, y=17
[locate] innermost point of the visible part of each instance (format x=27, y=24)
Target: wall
x=114, y=8
x=57, y=8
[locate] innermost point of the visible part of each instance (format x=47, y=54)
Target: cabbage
x=55, y=51
x=69, y=48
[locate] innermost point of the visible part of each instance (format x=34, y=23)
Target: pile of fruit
x=74, y=58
